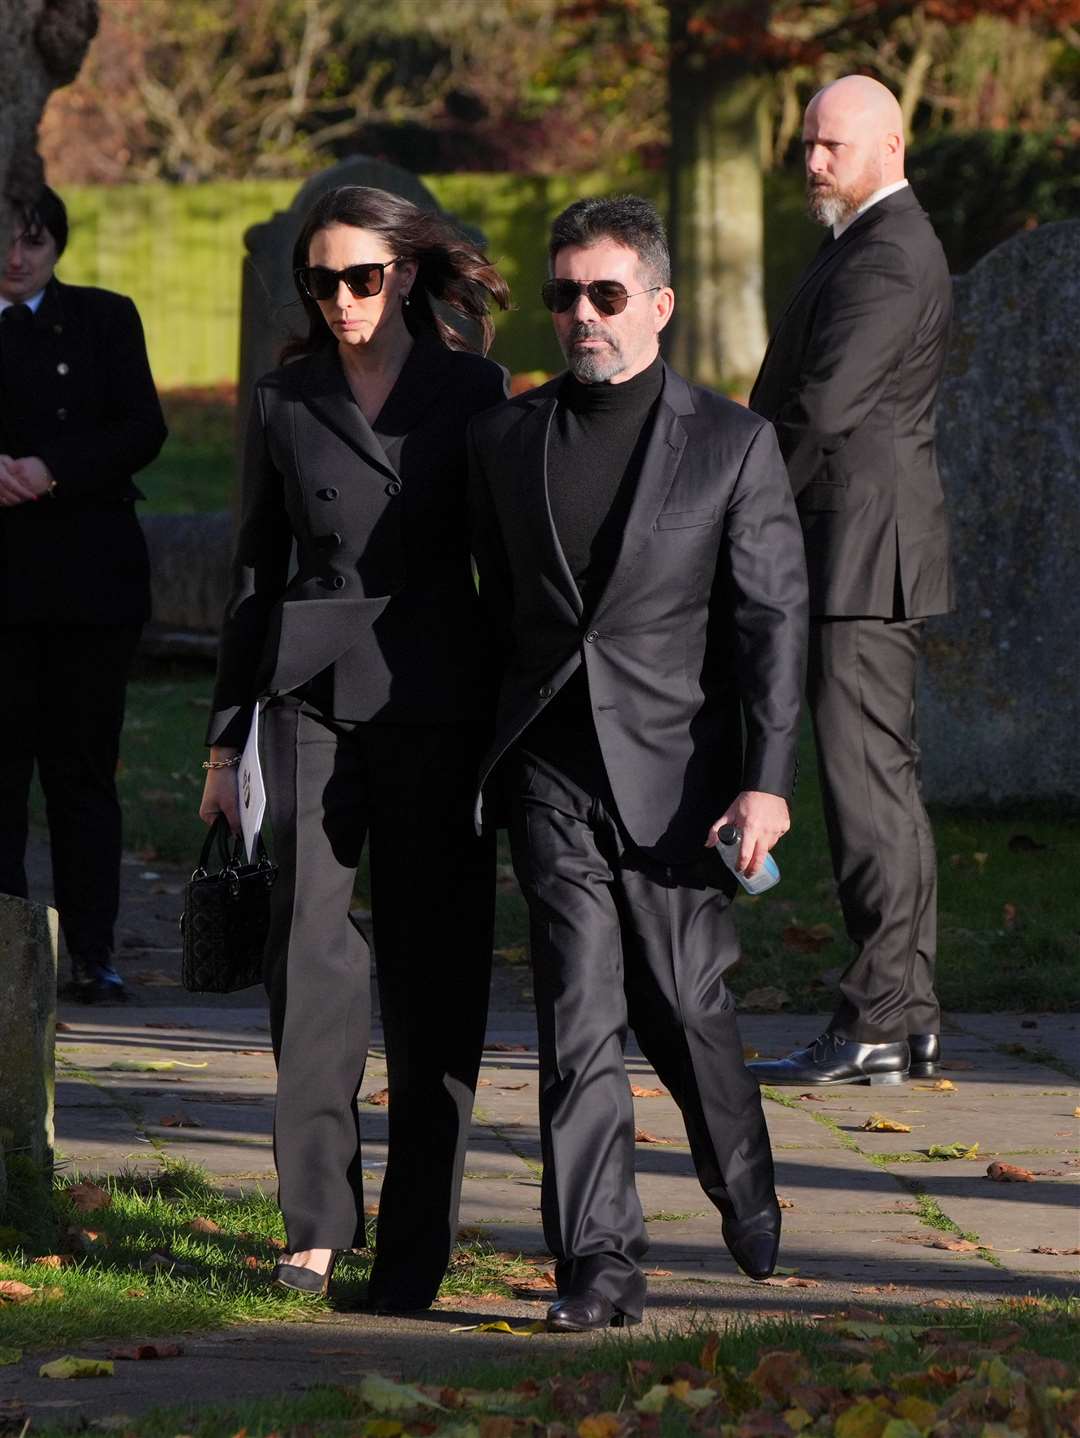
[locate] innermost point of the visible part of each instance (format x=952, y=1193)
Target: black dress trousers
x=861, y=680
x=407, y=791
x=63, y=708
x=620, y=941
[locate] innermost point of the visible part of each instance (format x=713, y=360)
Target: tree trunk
x=42, y=45
x=716, y=220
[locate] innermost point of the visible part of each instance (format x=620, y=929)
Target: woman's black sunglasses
x=364, y=281
x=607, y=297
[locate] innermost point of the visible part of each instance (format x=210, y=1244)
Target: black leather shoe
x=833, y=1059
x=754, y=1242
x=304, y=1280
x=577, y=1313
x=95, y=981
x=925, y=1055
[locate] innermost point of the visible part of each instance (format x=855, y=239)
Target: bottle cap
x=729, y=834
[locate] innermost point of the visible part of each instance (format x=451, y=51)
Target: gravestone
x=270, y=310
x=999, y=712
x=190, y=561
x=28, y=961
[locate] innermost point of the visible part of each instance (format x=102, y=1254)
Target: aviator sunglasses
x=364, y=281
x=607, y=297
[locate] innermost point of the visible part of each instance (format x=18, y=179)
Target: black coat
x=80, y=396
x=849, y=380
x=700, y=630
x=382, y=593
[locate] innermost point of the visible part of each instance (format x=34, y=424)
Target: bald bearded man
x=850, y=380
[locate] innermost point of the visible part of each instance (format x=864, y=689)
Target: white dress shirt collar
x=31, y=304
x=842, y=225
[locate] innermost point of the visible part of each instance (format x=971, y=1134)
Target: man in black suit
x=78, y=416
x=639, y=554
x=849, y=380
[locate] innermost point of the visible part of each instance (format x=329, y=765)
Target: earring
x=405, y=301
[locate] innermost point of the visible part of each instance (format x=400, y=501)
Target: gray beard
x=594, y=366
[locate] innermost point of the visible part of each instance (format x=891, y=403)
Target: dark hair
x=450, y=268
x=47, y=212
x=627, y=219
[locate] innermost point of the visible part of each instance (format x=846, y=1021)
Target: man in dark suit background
x=640, y=556
x=850, y=380
x=78, y=416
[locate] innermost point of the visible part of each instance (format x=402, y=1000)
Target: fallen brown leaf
x=941, y=1086
x=806, y=941
x=148, y=1350
x=251, y=1262
x=638, y=1092
x=204, y=1225
x=1058, y=1252
x=879, y=1123
x=379, y=1097
x=791, y=1281
x=511, y=1087
x=642, y=1135
x=12, y=1291
x=811, y=1098
x=87, y=1197
x=63, y=1028
x=784, y=1202
x=954, y=1245
x=750, y=1053
x=657, y=1272
x=483, y=1083
x=178, y=1120
x=768, y=1000
x=156, y=978
x=501, y=1048
x=1009, y=1173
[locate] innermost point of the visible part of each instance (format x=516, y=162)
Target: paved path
x=853, y=1228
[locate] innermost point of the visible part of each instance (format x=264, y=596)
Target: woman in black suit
x=377, y=676
x=79, y=416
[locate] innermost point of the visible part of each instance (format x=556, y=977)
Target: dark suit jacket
x=383, y=588
x=849, y=380
x=80, y=396
x=701, y=628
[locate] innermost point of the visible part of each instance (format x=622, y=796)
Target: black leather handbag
x=226, y=916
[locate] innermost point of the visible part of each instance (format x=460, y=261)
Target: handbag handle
x=219, y=833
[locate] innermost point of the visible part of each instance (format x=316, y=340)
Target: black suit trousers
x=619, y=941
x=861, y=691
x=63, y=708
x=407, y=791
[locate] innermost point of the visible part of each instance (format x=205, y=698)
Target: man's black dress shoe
x=754, y=1242
x=304, y=1280
x=833, y=1059
x=925, y=1055
x=576, y=1313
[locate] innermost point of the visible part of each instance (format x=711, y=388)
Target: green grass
x=146, y=1270
x=196, y=468
x=979, y=1364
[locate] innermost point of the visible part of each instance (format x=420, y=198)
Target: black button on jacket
x=391, y=609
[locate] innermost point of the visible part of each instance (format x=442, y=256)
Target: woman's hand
x=221, y=792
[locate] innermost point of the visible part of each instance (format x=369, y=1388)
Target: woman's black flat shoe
x=304, y=1280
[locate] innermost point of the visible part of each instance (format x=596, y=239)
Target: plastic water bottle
x=727, y=844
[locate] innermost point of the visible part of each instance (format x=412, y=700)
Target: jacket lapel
x=533, y=434
x=326, y=393
x=663, y=453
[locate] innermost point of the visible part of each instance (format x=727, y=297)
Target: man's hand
x=23, y=479
x=761, y=819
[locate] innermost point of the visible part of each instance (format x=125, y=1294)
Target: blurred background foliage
x=189, y=90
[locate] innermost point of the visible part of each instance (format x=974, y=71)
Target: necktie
x=17, y=317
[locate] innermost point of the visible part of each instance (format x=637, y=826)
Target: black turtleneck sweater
x=595, y=448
